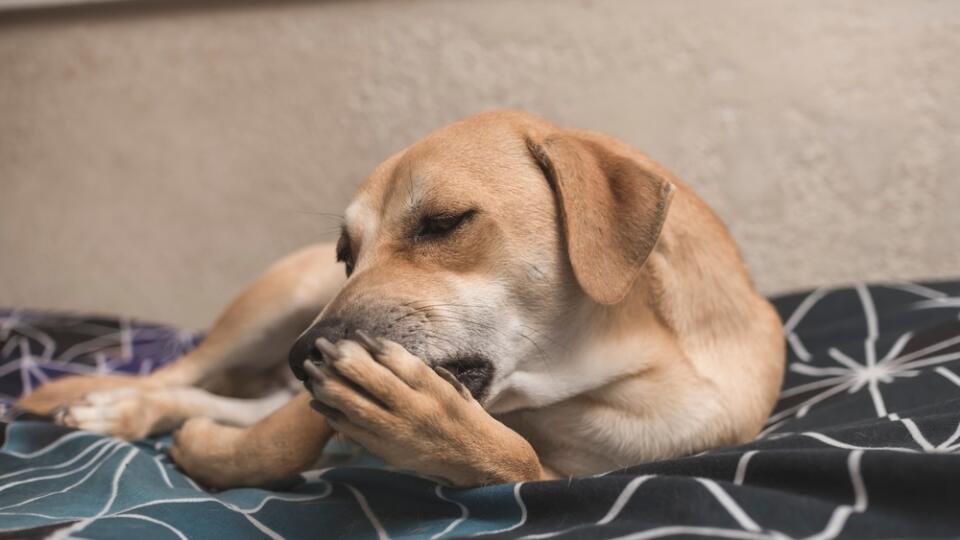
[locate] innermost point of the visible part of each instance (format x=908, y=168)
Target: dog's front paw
x=379, y=395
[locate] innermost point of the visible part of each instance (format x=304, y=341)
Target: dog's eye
x=345, y=254
x=440, y=225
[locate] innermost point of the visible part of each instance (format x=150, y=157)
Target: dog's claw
x=313, y=371
x=328, y=349
x=445, y=374
x=59, y=415
x=369, y=343
x=326, y=410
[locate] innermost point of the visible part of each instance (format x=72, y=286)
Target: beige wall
x=153, y=159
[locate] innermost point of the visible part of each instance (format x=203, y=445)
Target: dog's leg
x=415, y=417
x=269, y=453
x=256, y=329
x=133, y=413
x=260, y=325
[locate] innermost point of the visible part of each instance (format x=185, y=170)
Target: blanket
x=863, y=443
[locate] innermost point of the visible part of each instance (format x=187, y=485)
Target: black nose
x=305, y=347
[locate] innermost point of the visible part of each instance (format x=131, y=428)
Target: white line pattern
x=853, y=374
x=464, y=513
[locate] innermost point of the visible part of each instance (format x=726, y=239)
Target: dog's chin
x=474, y=372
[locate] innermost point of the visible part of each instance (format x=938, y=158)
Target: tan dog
x=595, y=310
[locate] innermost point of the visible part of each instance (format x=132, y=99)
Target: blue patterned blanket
x=864, y=443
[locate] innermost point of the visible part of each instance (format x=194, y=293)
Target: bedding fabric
x=863, y=443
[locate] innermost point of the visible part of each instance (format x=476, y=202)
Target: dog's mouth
x=474, y=372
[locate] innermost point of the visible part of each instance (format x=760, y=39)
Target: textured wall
x=153, y=159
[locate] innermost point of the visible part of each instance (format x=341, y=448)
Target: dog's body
x=592, y=304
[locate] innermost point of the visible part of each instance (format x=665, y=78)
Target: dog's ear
x=612, y=208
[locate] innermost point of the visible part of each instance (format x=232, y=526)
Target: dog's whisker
x=495, y=329
x=329, y=230
x=321, y=214
x=544, y=359
x=426, y=306
x=444, y=312
x=448, y=315
x=453, y=346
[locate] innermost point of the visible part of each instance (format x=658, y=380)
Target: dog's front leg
x=268, y=454
x=379, y=395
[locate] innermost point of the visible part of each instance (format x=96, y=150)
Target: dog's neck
x=597, y=345
x=651, y=325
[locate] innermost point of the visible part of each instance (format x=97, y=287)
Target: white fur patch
x=360, y=219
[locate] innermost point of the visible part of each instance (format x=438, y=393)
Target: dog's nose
x=305, y=347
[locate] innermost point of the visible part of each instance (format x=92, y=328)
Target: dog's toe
x=122, y=413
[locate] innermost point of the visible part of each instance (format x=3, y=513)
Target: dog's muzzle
x=474, y=371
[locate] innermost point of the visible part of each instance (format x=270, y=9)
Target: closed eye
x=345, y=253
x=438, y=226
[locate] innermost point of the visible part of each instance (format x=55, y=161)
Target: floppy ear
x=612, y=208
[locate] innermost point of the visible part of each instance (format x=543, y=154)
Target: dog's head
x=479, y=247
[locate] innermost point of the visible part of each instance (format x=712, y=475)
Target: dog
x=520, y=302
